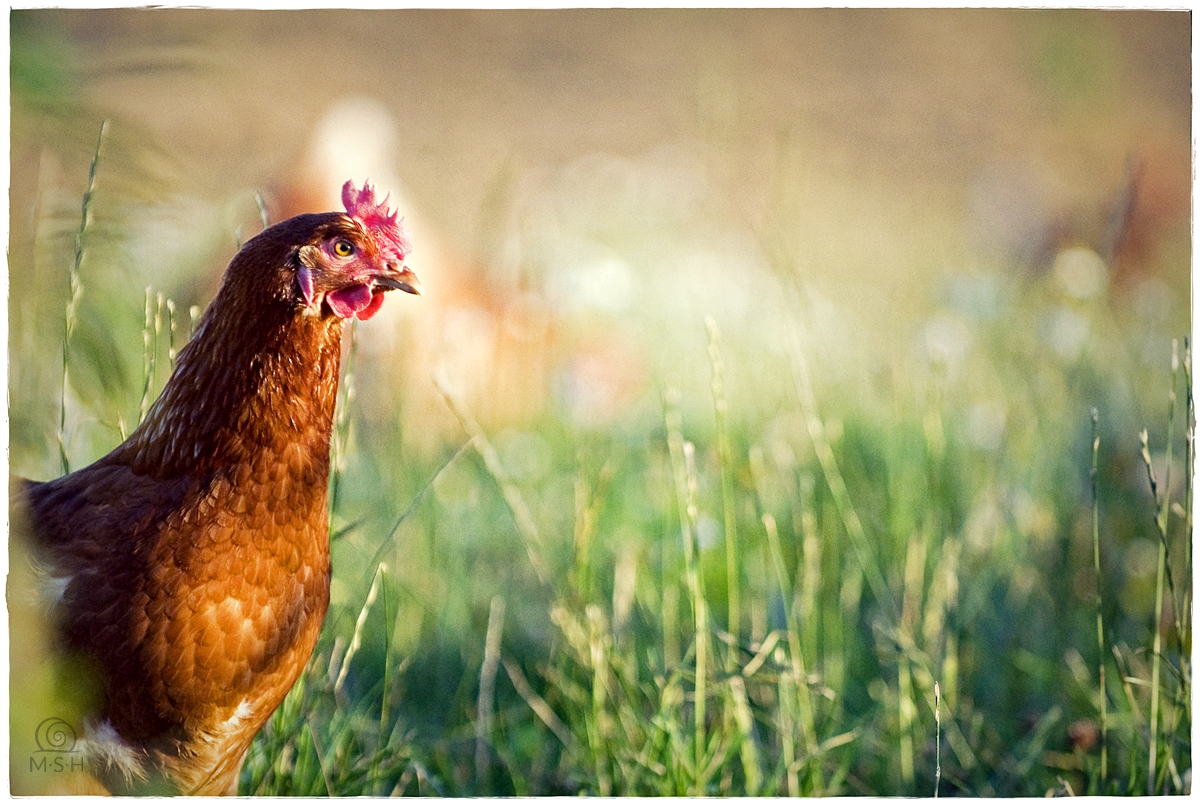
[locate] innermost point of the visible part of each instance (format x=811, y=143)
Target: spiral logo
x=55, y=735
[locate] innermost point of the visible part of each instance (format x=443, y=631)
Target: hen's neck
x=254, y=381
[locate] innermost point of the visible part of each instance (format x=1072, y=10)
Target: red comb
x=384, y=226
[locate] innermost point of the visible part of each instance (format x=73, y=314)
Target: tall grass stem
x=837, y=484
x=538, y=705
x=937, y=741
x=1185, y=612
x=261, y=203
x=171, y=350
x=522, y=517
x=683, y=467
x=700, y=603
x=1099, y=596
x=75, y=290
x=342, y=420
x=359, y=625
x=148, y=350
x=487, y=690
x=728, y=501
x=803, y=699
x=1164, y=501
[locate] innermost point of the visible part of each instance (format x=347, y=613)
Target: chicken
x=190, y=566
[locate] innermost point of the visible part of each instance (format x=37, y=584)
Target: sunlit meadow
x=800, y=403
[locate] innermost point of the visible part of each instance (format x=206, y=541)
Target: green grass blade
x=837, y=485
x=728, y=502
x=1099, y=597
x=75, y=293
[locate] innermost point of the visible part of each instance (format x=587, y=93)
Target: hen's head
x=344, y=263
x=352, y=266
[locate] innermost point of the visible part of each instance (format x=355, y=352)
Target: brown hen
x=189, y=568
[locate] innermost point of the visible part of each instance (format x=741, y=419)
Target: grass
x=1099, y=601
x=811, y=587
x=76, y=289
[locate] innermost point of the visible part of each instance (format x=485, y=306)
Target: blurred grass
x=761, y=571
x=880, y=551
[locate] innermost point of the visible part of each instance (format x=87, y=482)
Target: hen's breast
x=200, y=599
x=238, y=593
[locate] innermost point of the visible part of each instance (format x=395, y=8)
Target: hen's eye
x=343, y=248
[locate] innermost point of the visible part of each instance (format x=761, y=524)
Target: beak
x=403, y=279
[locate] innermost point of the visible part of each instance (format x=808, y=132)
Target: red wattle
x=373, y=307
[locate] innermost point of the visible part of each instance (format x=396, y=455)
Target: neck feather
x=255, y=380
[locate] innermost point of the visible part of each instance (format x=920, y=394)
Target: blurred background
x=876, y=267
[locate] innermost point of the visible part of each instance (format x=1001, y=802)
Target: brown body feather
x=197, y=551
